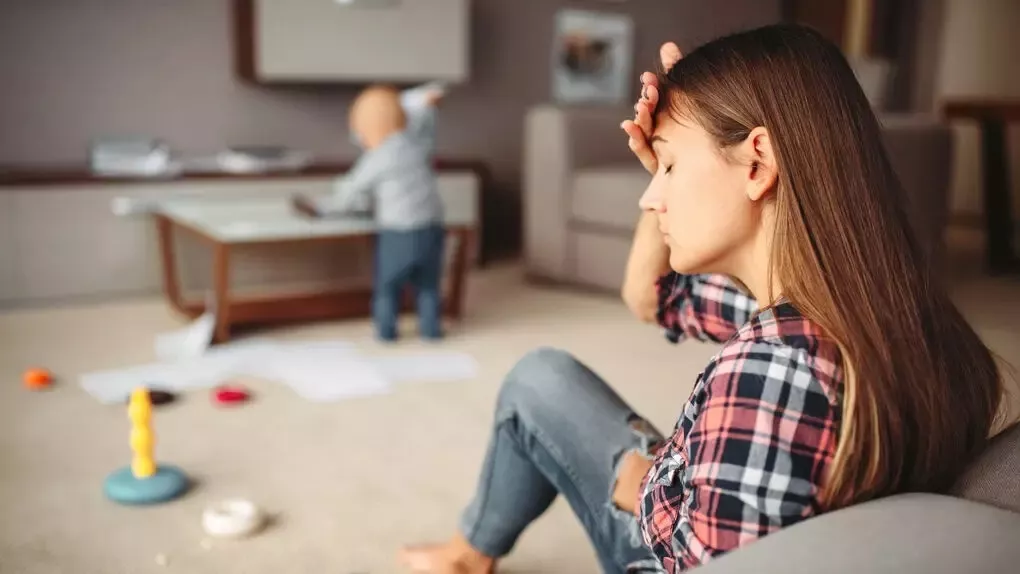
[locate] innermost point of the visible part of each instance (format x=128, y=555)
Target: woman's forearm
x=648, y=261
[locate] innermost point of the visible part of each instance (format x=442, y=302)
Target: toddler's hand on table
x=304, y=206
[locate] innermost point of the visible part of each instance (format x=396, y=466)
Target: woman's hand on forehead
x=640, y=129
x=669, y=54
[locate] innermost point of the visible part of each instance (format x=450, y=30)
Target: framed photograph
x=592, y=57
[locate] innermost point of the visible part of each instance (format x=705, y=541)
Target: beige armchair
x=581, y=188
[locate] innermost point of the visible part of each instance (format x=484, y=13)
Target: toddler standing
x=394, y=178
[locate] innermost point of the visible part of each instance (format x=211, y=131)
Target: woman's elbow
x=643, y=305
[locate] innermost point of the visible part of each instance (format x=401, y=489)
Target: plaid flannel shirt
x=751, y=449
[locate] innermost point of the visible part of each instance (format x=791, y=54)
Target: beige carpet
x=347, y=482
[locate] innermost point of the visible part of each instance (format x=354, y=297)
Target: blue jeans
x=559, y=430
x=411, y=258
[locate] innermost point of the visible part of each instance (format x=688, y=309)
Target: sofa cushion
x=994, y=478
x=599, y=259
x=608, y=195
x=904, y=534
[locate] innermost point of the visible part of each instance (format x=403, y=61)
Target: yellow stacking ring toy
x=144, y=482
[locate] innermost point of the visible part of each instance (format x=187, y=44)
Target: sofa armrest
x=595, y=136
x=546, y=183
x=909, y=533
x=557, y=142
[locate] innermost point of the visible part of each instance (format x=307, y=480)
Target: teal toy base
x=168, y=483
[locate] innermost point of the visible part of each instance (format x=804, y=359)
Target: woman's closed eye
x=667, y=169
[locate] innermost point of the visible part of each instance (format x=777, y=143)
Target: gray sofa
x=976, y=530
x=581, y=188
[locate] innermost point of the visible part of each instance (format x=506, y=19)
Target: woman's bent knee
x=542, y=378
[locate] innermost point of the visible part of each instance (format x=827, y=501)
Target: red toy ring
x=230, y=394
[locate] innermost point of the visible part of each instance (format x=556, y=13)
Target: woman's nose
x=651, y=199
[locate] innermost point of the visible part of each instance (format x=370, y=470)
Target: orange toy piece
x=36, y=379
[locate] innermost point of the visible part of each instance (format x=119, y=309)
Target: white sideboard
x=7, y=235
x=62, y=242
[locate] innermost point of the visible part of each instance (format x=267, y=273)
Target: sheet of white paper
x=241, y=357
x=320, y=371
x=191, y=341
x=208, y=370
x=324, y=372
x=332, y=346
x=114, y=386
x=427, y=366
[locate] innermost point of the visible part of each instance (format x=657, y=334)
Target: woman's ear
x=762, y=169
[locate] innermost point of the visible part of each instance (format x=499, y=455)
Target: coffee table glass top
x=253, y=220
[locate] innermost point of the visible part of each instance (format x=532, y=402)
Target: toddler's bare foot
x=454, y=557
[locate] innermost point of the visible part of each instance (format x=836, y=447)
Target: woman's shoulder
x=783, y=347
x=783, y=324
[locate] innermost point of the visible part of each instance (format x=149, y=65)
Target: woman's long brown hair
x=921, y=391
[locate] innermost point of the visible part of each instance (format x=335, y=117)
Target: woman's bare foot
x=454, y=557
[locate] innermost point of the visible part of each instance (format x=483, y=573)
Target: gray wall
x=76, y=69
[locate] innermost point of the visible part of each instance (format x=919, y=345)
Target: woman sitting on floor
x=774, y=225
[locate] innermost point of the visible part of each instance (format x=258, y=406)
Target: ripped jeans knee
x=648, y=439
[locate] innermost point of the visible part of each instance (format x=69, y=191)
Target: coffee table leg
x=168, y=260
x=458, y=271
x=998, y=212
x=221, y=290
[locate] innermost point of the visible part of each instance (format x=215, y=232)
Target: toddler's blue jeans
x=409, y=258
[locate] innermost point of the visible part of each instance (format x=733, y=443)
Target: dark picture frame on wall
x=592, y=57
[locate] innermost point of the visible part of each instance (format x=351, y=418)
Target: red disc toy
x=230, y=394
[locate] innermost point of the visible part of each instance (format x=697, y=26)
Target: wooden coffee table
x=226, y=224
